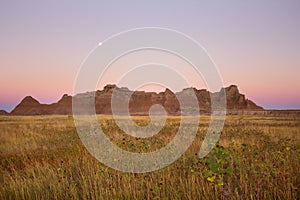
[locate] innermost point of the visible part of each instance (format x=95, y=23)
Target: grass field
x=256, y=158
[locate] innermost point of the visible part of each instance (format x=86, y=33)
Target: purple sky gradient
x=255, y=44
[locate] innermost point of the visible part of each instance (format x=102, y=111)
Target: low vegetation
x=256, y=158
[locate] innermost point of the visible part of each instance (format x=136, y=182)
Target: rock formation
x=139, y=103
x=3, y=112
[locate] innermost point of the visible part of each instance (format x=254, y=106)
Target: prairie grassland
x=256, y=158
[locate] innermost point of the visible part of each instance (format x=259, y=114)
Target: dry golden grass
x=43, y=158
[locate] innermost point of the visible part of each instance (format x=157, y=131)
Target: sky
x=255, y=44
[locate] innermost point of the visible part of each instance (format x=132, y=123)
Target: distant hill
x=139, y=104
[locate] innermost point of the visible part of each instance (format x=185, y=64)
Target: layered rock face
x=139, y=102
x=30, y=106
x=237, y=101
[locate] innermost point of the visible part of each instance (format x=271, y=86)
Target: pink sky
x=255, y=45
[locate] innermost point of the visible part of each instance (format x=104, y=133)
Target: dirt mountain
x=139, y=103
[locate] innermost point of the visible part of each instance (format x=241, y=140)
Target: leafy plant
x=218, y=166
